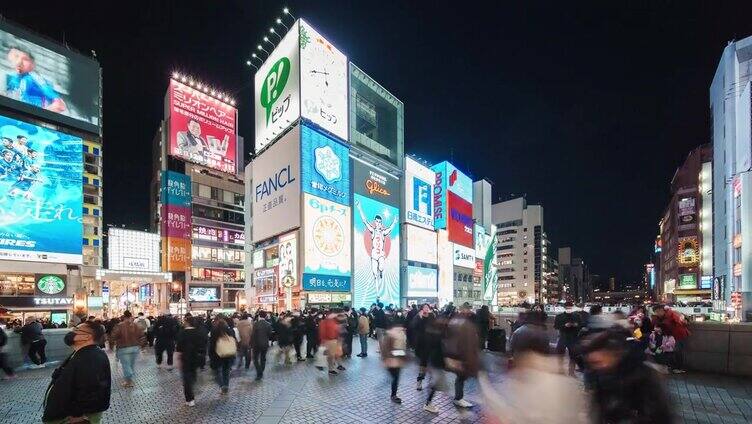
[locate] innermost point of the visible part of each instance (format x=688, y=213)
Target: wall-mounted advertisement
x=203, y=294
x=478, y=270
x=460, y=222
x=454, y=180
x=218, y=235
x=421, y=244
x=41, y=174
x=376, y=252
x=176, y=218
x=422, y=282
x=202, y=129
x=419, y=194
x=326, y=166
x=129, y=250
x=49, y=285
x=490, y=270
x=689, y=251
x=687, y=212
x=276, y=188
x=288, y=260
x=446, y=268
x=176, y=254
x=48, y=80
x=327, y=237
x=482, y=240
x=323, y=80
x=463, y=256
x=175, y=189
x=276, y=92
x=687, y=281
x=375, y=184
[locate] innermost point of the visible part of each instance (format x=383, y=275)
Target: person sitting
x=661, y=346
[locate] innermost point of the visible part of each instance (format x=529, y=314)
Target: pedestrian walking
x=364, y=328
x=284, y=339
x=222, y=351
x=351, y=328
x=483, y=319
x=245, y=330
x=191, y=345
x=434, y=344
x=165, y=332
x=461, y=352
x=298, y=330
x=312, y=332
x=379, y=320
x=394, y=353
x=568, y=324
x=420, y=342
x=128, y=339
x=262, y=331
x=329, y=334
x=9, y=374
x=33, y=342
x=81, y=386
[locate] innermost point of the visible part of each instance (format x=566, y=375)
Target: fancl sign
x=275, y=182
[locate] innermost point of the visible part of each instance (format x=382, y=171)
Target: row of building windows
x=214, y=254
x=473, y=294
x=208, y=212
x=218, y=194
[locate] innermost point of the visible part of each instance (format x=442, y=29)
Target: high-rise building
x=574, y=276
x=50, y=124
x=731, y=123
x=685, y=261
x=521, y=251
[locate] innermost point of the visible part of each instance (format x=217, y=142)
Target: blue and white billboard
x=326, y=166
x=422, y=282
x=41, y=194
x=376, y=252
x=418, y=194
x=449, y=179
x=327, y=239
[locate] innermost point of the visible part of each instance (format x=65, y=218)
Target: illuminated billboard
x=176, y=228
x=482, y=240
x=376, y=240
x=276, y=96
x=687, y=281
x=421, y=244
x=276, y=188
x=129, y=250
x=419, y=194
x=446, y=268
x=323, y=82
x=454, y=180
x=375, y=183
x=490, y=270
x=421, y=282
x=288, y=260
x=463, y=256
x=326, y=166
x=460, y=222
x=326, y=239
x=176, y=254
x=218, y=235
x=41, y=174
x=202, y=129
x=48, y=80
x=689, y=251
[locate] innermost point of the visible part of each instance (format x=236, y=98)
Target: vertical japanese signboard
x=176, y=221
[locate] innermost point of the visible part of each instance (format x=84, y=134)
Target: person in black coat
x=191, y=347
x=220, y=365
x=312, y=332
x=33, y=342
x=81, y=386
x=165, y=331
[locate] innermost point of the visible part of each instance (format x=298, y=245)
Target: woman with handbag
x=222, y=350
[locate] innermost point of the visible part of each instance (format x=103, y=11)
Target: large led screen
x=460, y=220
x=276, y=96
x=421, y=244
x=326, y=166
x=323, y=81
x=276, y=188
x=203, y=294
x=41, y=207
x=419, y=194
x=376, y=248
x=327, y=237
x=48, y=80
x=421, y=282
x=202, y=128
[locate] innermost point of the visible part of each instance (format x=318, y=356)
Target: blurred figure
x=165, y=332
x=9, y=374
x=191, y=346
x=673, y=324
x=262, y=331
x=461, y=352
x=420, y=341
x=623, y=388
x=534, y=392
x=128, y=339
x=244, y=327
x=661, y=347
x=379, y=320
x=141, y=321
x=483, y=319
x=329, y=333
x=312, y=332
x=434, y=339
x=33, y=342
x=351, y=327
x=364, y=328
x=568, y=323
x=222, y=351
x=393, y=353
x=298, y=329
x=531, y=330
x=284, y=339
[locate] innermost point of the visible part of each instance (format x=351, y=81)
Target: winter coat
x=245, y=331
x=191, y=343
x=461, y=347
x=394, y=347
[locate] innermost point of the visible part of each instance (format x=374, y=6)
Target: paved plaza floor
x=299, y=393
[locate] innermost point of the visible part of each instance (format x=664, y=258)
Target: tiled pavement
x=301, y=394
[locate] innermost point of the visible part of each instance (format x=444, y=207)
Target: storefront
x=145, y=291
x=44, y=296
x=276, y=272
x=265, y=280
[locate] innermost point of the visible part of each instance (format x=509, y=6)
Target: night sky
x=584, y=107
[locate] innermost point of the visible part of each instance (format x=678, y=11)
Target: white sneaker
x=462, y=403
x=191, y=403
x=430, y=407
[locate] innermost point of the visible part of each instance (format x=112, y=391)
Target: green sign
x=688, y=281
x=51, y=284
x=274, y=85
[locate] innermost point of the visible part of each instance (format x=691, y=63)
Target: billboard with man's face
x=48, y=80
x=202, y=128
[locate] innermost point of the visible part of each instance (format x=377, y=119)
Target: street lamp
x=266, y=40
x=286, y=11
x=259, y=48
x=272, y=31
x=279, y=22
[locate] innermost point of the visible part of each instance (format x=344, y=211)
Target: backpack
x=226, y=346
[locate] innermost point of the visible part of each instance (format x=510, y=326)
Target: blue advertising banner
x=320, y=282
x=449, y=179
x=41, y=206
x=326, y=166
x=176, y=189
x=376, y=252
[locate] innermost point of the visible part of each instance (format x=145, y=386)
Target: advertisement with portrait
x=460, y=222
x=421, y=244
x=376, y=252
x=326, y=166
x=41, y=174
x=323, y=82
x=446, y=268
x=422, y=282
x=276, y=91
x=327, y=239
x=419, y=181
x=463, y=256
x=48, y=80
x=202, y=129
x=688, y=253
x=375, y=183
x=276, y=188
x=288, y=260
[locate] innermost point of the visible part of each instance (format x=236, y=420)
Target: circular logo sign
x=328, y=236
x=51, y=284
x=288, y=281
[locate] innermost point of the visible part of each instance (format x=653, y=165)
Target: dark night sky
x=587, y=108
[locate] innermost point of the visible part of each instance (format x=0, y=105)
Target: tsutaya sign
x=44, y=301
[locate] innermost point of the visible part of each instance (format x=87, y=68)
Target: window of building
x=228, y=197
x=204, y=191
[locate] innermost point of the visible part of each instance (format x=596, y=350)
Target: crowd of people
x=618, y=356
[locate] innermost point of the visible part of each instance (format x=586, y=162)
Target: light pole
x=272, y=31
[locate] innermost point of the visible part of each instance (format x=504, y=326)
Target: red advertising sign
x=202, y=128
x=460, y=220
